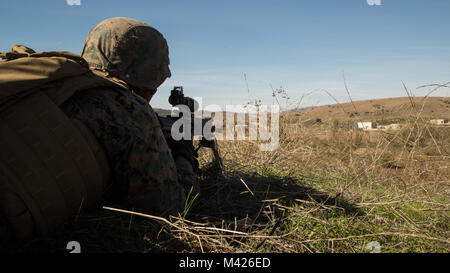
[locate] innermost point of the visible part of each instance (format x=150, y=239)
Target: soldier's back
x=142, y=167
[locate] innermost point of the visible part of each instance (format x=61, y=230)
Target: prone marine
x=106, y=144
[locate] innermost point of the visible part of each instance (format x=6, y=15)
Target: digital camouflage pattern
x=131, y=51
x=123, y=122
x=140, y=160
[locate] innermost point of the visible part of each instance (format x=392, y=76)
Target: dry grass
x=327, y=188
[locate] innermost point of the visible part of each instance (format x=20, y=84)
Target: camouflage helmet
x=131, y=51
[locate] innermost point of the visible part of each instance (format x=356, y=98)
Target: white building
x=394, y=126
x=296, y=128
x=439, y=121
x=367, y=125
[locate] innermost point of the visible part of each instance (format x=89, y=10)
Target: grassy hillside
x=381, y=110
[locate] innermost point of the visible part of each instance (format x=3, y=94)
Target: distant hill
x=162, y=112
x=389, y=109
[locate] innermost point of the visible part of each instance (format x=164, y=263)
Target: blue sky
x=304, y=46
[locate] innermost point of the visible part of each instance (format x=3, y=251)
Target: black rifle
x=177, y=98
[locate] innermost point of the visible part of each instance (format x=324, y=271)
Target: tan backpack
x=51, y=167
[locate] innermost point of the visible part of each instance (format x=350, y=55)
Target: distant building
x=439, y=121
x=394, y=126
x=367, y=125
x=296, y=128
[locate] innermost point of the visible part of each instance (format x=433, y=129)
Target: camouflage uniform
x=136, y=55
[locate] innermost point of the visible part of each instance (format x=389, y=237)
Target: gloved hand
x=186, y=163
x=185, y=159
